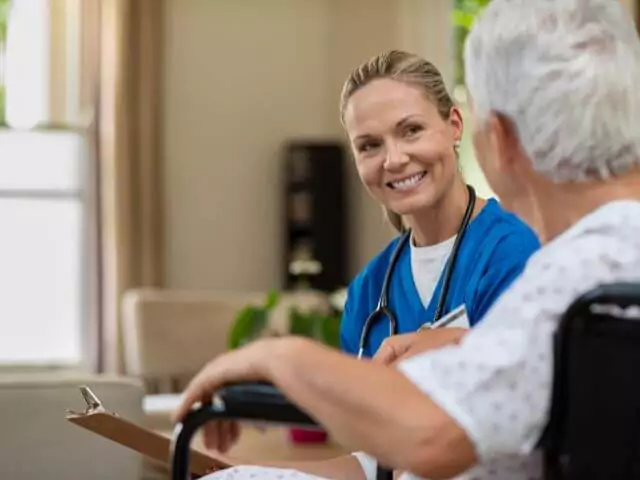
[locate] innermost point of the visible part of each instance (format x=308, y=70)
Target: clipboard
x=128, y=434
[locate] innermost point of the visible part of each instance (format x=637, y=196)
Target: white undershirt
x=427, y=264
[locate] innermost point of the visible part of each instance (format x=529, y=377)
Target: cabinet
x=315, y=229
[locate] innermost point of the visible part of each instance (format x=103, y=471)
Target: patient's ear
x=505, y=142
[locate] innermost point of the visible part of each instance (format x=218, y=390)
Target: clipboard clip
x=94, y=405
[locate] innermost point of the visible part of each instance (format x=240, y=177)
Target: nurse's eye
x=368, y=146
x=412, y=130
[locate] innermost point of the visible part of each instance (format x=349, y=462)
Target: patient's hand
x=399, y=347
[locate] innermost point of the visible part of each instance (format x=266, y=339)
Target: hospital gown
x=497, y=383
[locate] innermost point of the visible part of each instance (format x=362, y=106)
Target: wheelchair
x=594, y=423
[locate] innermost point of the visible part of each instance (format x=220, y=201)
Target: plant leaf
x=272, y=299
x=328, y=331
x=463, y=19
x=301, y=324
x=250, y=323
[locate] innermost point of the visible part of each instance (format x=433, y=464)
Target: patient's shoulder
x=601, y=248
x=605, y=242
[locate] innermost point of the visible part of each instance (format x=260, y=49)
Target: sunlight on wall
x=464, y=13
x=468, y=163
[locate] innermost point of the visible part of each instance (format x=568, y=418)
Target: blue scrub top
x=494, y=251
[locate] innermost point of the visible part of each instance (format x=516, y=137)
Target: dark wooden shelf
x=314, y=177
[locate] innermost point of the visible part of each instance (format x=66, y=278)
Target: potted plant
x=252, y=322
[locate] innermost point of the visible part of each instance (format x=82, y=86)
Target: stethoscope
x=383, y=309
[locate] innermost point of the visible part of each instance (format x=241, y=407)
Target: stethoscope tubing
x=382, y=308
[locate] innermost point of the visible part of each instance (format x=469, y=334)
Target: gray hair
x=565, y=73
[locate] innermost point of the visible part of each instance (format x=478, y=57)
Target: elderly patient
x=554, y=92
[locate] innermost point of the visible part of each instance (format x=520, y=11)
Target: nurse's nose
x=395, y=159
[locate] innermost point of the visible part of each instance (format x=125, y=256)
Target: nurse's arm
x=364, y=406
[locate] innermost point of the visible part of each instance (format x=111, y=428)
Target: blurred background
x=166, y=163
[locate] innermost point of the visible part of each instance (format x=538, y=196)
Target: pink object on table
x=301, y=435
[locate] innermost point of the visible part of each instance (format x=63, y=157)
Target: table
x=273, y=445
x=254, y=446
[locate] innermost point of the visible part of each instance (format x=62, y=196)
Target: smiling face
x=403, y=148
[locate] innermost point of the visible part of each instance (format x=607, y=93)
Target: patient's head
x=403, y=128
x=554, y=82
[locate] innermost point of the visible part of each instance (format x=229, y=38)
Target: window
x=43, y=172
x=464, y=14
x=41, y=244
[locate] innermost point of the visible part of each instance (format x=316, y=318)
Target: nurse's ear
x=456, y=124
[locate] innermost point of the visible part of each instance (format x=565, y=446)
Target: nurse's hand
x=399, y=347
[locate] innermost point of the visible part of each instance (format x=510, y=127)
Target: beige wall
x=240, y=78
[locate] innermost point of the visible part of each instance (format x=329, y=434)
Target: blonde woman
x=454, y=251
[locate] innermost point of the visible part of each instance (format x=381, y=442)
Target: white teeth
x=408, y=182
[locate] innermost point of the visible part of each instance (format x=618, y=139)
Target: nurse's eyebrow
x=399, y=124
x=364, y=136
x=406, y=120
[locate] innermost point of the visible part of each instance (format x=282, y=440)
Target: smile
x=407, y=183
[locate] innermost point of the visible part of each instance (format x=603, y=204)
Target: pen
x=443, y=322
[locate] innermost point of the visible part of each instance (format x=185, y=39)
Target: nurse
x=453, y=251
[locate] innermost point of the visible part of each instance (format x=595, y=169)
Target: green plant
x=5, y=6
x=464, y=13
x=312, y=324
x=252, y=322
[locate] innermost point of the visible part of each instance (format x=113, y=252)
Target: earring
x=456, y=144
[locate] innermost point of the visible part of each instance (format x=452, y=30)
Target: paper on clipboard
x=147, y=442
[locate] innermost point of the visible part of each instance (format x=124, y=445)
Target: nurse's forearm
x=371, y=407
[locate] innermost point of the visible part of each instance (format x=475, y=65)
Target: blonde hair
x=407, y=68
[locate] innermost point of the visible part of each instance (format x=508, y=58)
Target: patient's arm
x=371, y=407
x=364, y=405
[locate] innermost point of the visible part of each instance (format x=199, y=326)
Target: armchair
x=594, y=426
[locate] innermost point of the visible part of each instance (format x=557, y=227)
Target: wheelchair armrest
x=261, y=401
x=243, y=401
